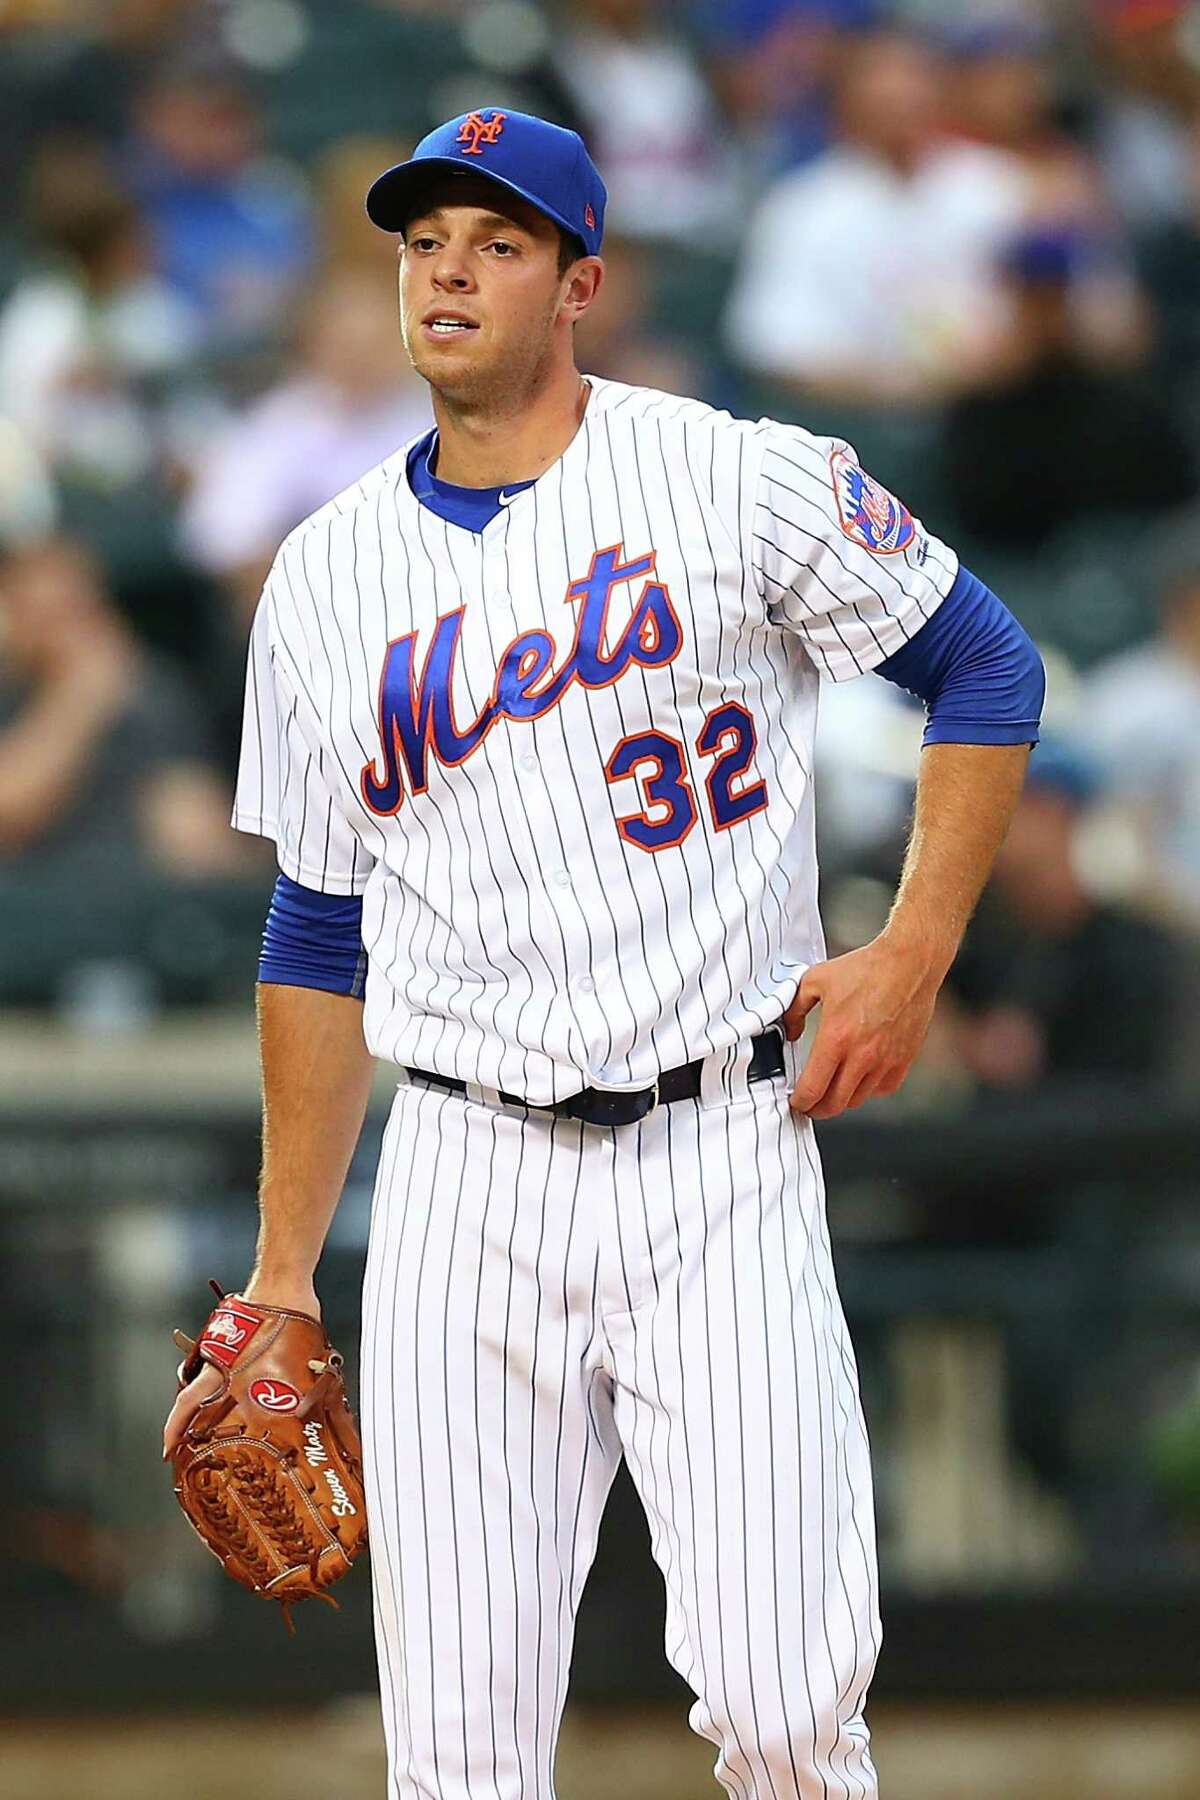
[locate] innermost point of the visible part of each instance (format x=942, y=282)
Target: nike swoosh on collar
x=507, y=499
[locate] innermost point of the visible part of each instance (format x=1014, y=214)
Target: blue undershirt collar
x=472, y=508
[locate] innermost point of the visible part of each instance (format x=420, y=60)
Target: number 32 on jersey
x=658, y=763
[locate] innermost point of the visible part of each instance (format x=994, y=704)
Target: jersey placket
x=558, y=866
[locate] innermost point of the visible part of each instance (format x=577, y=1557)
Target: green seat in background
x=362, y=70
x=689, y=291
x=1089, y=593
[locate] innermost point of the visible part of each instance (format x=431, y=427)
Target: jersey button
x=562, y=878
x=586, y=985
x=529, y=762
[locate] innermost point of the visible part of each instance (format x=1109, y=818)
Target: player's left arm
x=983, y=684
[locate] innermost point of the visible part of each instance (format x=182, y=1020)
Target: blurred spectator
x=1003, y=91
x=869, y=276
x=649, y=118
x=230, y=229
x=1169, y=261
x=1050, y=984
x=1146, y=117
x=1001, y=87
x=88, y=340
x=1140, y=712
x=773, y=62
x=349, y=399
x=103, y=767
x=341, y=177
x=28, y=502
x=1057, y=434
x=71, y=69
x=618, y=338
x=866, y=761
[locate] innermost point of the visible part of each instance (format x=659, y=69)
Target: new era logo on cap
x=543, y=163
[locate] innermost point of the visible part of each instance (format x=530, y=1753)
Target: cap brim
x=394, y=198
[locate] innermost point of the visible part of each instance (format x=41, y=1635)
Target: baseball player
x=529, y=717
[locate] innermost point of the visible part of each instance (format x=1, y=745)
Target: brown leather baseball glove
x=269, y=1470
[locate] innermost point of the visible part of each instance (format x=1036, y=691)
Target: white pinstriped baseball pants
x=542, y=1297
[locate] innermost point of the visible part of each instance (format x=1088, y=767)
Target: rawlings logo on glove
x=276, y=1396
x=269, y=1469
x=227, y=1333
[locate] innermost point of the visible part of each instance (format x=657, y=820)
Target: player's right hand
x=296, y=1296
x=187, y=1403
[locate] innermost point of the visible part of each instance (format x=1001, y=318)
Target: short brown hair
x=570, y=249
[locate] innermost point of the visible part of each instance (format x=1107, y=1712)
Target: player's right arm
x=316, y=1068
x=316, y=1075
x=316, y=1080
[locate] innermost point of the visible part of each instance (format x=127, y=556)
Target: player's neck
x=483, y=448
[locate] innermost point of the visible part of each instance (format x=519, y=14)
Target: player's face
x=484, y=310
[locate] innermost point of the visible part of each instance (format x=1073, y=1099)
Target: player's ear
x=583, y=283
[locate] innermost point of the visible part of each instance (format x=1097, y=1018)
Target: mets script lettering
x=416, y=714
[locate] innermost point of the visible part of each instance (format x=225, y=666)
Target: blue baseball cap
x=543, y=163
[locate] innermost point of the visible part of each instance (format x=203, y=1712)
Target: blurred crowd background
x=967, y=237
x=964, y=236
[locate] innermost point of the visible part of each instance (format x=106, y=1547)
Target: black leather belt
x=602, y=1106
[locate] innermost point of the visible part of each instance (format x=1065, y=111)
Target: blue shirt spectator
x=774, y=62
x=231, y=231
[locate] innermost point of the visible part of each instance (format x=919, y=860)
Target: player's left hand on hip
x=876, y=1004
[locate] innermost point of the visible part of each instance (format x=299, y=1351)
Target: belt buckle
x=641, y=1103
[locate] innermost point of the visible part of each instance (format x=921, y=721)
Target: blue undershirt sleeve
x=313, y=940
x=975, y=667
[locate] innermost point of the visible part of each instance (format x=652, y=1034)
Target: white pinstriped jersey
x=567, y=760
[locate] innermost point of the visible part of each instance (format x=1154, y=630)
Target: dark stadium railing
x=1028, y=1331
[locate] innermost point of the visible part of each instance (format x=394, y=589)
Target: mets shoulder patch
x=868, y=514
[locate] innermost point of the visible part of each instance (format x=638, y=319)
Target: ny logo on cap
x=476, y=131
